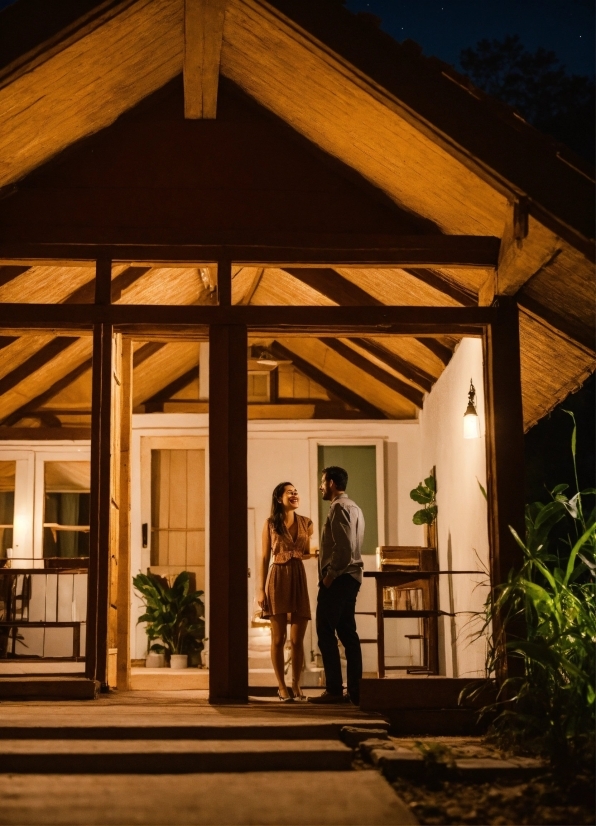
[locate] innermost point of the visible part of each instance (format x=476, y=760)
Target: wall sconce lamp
x=266, y=359
x=471, y=420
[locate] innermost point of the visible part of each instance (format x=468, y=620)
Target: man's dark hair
x=338, y=475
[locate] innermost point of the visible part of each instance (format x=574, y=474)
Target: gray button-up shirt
x=341, y=540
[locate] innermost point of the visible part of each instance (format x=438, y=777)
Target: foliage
x=547, y=611
x=173, y=615
x=538, y=86
x=425, y=494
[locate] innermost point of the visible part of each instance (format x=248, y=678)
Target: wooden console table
x=426, y=581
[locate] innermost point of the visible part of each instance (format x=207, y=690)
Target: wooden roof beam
x=443, y=285
x=362, y=363
x=522, y=254
x=332, y=386
x=173, y=387
x=203, y=37
x=35, y=362
x=31, y=406
x=9, y=273
x=334, y=286
x=310, y=249
x=407, y=370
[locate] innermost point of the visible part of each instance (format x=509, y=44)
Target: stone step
x=175, y=757
x=293, y=730
x=48, y=688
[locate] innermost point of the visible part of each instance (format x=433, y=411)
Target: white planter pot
x=155, y=660
x=178, y=660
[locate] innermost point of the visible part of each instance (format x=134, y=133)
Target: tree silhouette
x=538, y=86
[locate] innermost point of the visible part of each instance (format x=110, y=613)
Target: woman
x=282, y=589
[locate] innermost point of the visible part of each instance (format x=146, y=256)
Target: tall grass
x=547, y=612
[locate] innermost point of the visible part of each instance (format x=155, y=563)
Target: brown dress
x=286, y=591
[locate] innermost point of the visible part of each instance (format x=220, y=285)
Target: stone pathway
x=171, y=758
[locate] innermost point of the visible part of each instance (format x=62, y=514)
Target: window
x=7, y=484
x=66, y=509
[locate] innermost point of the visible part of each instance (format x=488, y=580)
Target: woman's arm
x=266, y=553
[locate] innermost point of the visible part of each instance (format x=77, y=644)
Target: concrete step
x=288, y=799
x=68, y=756
x=48, y=688
x=200, y=730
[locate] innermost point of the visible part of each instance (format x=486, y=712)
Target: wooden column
x=124, y=571
x=228, y=527
x=96, y=648
x=99, y=523
x=504, y=443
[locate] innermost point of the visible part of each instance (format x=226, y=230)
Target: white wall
x=285, y=449
x=462, y=512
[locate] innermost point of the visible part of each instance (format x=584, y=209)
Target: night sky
x=444, y=27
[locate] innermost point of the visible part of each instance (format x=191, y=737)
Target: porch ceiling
x=408, y=125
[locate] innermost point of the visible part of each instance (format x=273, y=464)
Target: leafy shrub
x=173, y=615
x=547, y=612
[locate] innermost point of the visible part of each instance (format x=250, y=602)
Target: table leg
x=380, y=631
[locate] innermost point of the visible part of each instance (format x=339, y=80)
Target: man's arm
x=341, y=534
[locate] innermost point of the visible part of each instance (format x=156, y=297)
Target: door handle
x=145, y=534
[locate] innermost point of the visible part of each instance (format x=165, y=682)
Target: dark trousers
x=336, y=607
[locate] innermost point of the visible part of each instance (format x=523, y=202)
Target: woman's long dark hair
x=277, y=509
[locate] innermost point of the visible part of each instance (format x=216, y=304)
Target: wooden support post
x=103, y=281
x=228, y=522
x=504, y=443
x=124, y=571
x=224, y=283
x=100, y=505
x=203, y=37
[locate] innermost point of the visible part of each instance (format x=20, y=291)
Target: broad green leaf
x=431, y=484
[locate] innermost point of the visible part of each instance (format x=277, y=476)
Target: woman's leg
x=297, y=632
x=279, y=624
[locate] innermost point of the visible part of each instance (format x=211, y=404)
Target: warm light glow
x=471, y=426
x=471, y=420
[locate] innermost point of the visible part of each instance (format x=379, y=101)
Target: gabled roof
x=437, y=149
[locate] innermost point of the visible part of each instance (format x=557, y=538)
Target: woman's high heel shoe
x=297, y=693
x=288, y=699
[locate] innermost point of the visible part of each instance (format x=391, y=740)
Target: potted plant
x=426, y=494
x=174, y=616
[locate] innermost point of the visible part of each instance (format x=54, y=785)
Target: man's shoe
x=327, y=699
x=348, y=699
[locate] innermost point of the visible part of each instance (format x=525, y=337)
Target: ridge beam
x=203, y=38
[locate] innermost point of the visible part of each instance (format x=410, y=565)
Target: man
x=340, y=578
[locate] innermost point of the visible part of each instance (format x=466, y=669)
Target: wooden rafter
x=86, y=293
x=30, y=407
x=438, y=282
x=573, y=333
x=8, y=274
x=36, y=362
x=405, y=368
x=203, y=37
x=166, y=393
x=362, y=363
x=247, y=298
x=333, y=387
x=345, y=293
